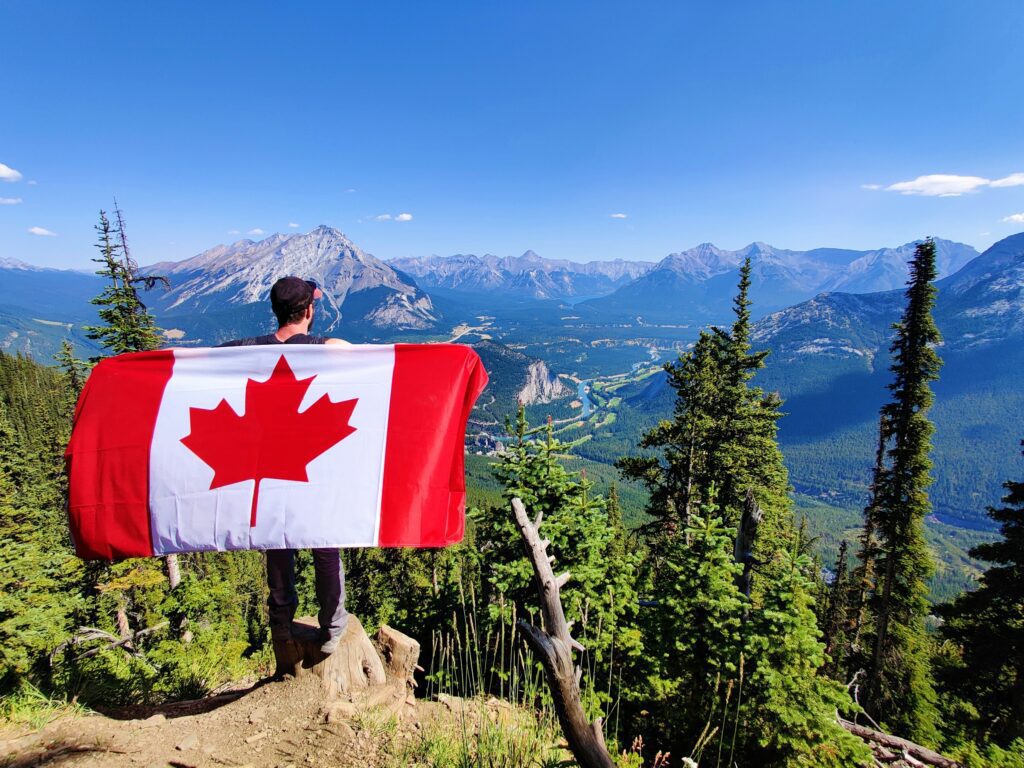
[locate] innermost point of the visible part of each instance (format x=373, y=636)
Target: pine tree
x=74, y=369
x=863, y=582
x=601, y=596
x=723, y=432
x=38, y=573
x=699, y=626
x=900, y=689
x=791, y=703
x=835, y=619
x=987, y=626
x=127, y=325
x=676, y=478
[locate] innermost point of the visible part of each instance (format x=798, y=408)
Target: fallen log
x=915, y=752
x=554, y=645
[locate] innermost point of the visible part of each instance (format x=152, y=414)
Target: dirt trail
x=271, y=725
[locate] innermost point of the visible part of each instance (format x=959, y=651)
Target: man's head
x=292, y=298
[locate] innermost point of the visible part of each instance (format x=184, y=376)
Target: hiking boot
x=330, y=645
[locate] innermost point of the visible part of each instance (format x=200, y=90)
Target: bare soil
x=268, y=725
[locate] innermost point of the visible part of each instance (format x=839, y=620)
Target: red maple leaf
x=272, y=439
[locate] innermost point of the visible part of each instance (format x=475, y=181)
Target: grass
x=492, y=707
x=513, y=740
x=30, y=707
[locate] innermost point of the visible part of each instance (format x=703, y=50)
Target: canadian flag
x=272, y=447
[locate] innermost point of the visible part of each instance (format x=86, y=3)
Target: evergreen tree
x=74, y=369
x=863, y=582
x=676, y=478
x=791, y=704
x=987, y=627
x=38, y=573
x=834, y=620
x=127, y=325
x=745, y=426
x=723, y=432
x=900, y=689
x=601, y=596
x=698, y=626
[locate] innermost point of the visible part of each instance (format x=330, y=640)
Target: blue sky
x=499, y=127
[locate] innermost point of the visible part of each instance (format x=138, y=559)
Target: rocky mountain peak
x=244, y=272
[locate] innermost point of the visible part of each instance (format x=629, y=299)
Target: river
x=581, y=393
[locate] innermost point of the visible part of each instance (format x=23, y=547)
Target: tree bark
x=554, y=646
x=173, y=571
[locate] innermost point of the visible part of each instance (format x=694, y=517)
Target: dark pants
x=330, y=591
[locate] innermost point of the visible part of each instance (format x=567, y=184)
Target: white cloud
x=403, y=217
x=31, y=182
x=383, y=217
x=1013, y=180
x=41, y=232
x=349, y=191
x=939, y=185
x=10, y=201
x=234, y=232
x=9, y=174
x=256, y=231
x=948, y=184
x=293, y=225
x=1017, y=218
x=618, y=215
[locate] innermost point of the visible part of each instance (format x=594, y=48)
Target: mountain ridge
x=697, y=284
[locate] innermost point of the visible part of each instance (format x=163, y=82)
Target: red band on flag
x=423, y=501
x=108, y=464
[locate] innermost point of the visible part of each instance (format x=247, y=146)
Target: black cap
x=293, y=294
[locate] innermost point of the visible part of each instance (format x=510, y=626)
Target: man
x=291, y=299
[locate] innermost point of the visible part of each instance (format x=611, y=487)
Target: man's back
x=270, y=338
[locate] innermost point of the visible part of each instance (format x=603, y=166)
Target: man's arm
x=340, y=342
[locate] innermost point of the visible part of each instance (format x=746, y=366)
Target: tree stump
x=401, y=654
x=361, y=674
x=354, y=667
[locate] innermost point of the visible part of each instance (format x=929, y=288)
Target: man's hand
x=342, y=342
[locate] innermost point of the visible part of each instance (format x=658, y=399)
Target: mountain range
x=222, y=292
x=699, y=283
x=524, y=277
x=537, y=321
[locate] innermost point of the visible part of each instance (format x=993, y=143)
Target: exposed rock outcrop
x=541, y=385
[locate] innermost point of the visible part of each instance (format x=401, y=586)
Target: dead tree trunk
x=745, y=538
x=173, y=571
x=902, y=746
x=554, y=646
